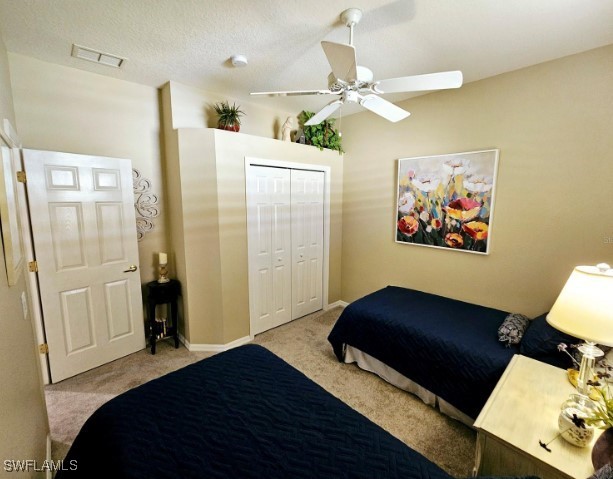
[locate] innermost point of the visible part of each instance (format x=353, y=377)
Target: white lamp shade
x=585, y=306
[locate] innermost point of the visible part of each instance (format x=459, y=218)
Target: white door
x=84, y=233
x=268, y=212
x=307, y=241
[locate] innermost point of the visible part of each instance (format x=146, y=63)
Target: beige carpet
x=303, y=344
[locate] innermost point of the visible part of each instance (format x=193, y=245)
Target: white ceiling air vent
x=97, y=57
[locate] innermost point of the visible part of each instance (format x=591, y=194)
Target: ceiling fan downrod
x=350, y=18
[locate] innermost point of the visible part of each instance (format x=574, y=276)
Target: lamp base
x=163, y=274
x=589, y=352
x=579, y=406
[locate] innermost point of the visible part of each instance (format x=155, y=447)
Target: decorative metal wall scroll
x=145, y=203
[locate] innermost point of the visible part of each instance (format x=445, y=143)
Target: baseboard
x=214, y=348
x=341, y=304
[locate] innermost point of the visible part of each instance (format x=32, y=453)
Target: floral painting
x=446, y=201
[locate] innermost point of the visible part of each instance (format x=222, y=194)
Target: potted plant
x=323, y=135
x=229, y=117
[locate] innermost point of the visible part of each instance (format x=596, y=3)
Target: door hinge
x=43, y=348
x=33, y=267
x=21, y=177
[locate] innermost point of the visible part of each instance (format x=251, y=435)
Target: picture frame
x=9, y=207
x=447, y=201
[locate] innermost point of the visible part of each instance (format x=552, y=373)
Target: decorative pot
x=234, y=127
x=602, y=453
x=579, y=436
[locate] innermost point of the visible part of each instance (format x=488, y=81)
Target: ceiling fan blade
x=429, y=81
x=296, y=92
x=341, y=58
x=324, y=113
x=383, y=108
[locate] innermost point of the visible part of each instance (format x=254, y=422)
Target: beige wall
x=214, y=230
x=64, y=109
x=198, y=257
x=23, y=417
x=552, y=124
x=193, y=108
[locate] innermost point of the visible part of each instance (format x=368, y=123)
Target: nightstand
x=522, y=410
x=161, y=293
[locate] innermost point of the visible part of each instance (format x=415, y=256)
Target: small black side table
x=162, y=293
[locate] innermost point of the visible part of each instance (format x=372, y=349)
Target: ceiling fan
x=353, y=83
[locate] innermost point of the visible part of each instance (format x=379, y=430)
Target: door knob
x=131, y=269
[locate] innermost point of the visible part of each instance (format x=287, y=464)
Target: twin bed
x=445, y=351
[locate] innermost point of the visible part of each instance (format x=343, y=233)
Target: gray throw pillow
x=513, y=328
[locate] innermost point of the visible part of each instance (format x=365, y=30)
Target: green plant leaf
x=228, y=115
x=322, y=135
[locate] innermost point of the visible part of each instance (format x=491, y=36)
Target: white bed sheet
x=368, y=363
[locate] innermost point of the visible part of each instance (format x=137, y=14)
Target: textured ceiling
x=190, y=41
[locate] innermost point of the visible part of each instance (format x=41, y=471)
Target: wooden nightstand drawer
x=498, y=458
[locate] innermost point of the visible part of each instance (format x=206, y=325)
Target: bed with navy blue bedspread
x=447, y=346
x=244, y=413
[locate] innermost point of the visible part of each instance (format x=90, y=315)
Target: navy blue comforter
x=447, y=346
x=242, y=413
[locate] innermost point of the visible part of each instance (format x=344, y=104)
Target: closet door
x=307, y=201
x=268, y=203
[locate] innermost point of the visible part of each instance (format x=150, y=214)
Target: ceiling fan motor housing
x=364, y=75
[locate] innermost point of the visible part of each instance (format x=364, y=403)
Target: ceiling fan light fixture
x=352, y=96
x=239, y=61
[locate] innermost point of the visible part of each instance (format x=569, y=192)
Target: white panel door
x=307, y=241
x=268, y=213
x=84, y=233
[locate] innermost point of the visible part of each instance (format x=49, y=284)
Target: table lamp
x=163, y=270
x=584, y=309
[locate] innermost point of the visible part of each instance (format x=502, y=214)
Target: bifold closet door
x=307, y=200
x=268, y=213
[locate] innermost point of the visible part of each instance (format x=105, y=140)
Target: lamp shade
x=585, y=306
